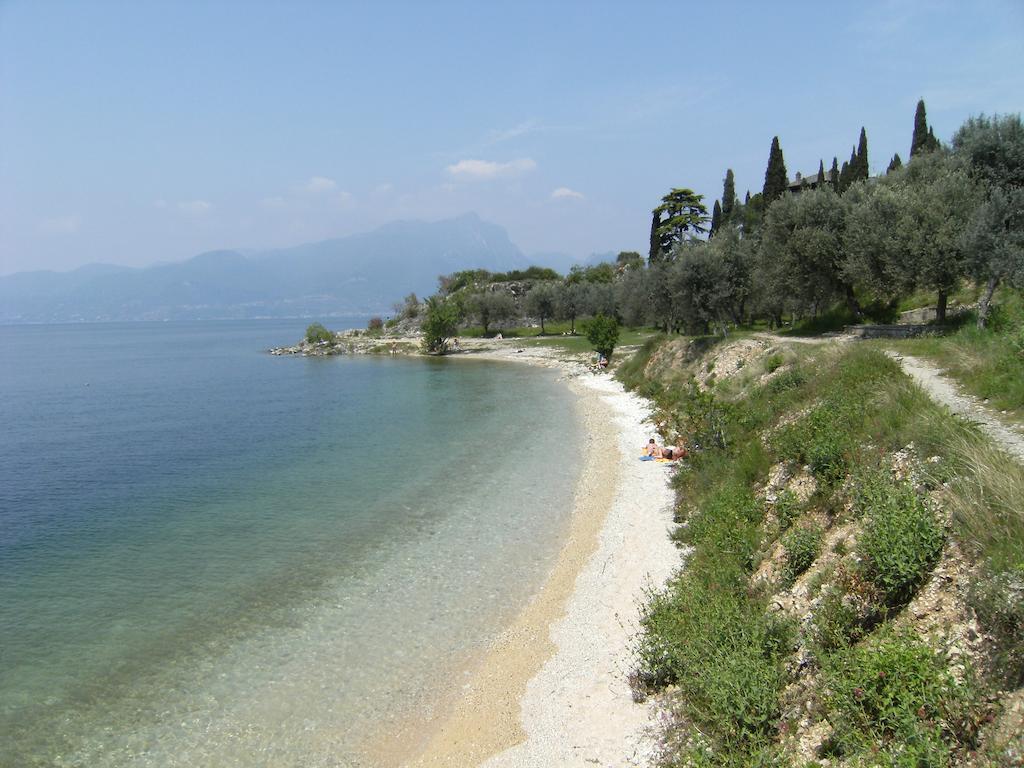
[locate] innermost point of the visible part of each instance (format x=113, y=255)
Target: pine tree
x=775, y=178
x=833, y=175
x=862, y=157
x=895, y=164
x=919, y=142
x=716, y=219
x=728, y=196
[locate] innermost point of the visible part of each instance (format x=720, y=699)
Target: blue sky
x=138, y=132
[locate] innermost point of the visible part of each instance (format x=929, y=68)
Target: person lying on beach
x=675, y=452
x=652, y=449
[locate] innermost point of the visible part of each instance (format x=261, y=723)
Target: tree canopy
x=681, y=216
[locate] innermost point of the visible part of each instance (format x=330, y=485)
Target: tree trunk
x=852, y=303
x=986, y=301
x=542, y=325
x=940, y=307
x=572, y=326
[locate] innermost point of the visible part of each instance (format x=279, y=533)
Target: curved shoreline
x=552, y=688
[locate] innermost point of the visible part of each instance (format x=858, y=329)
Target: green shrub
x=724, y=654
x=773, y=362
x=603, y=334
x=841, y=619
x=440, y=322
x=316, y=333
x=892, y=700
x=792, y=378
x=726, y=527
x=787, y=509
x=801, y=547
x=902, y=539
x=822, y=439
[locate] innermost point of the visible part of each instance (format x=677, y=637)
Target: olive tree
x=940, y=201
x=540, y=302
x=491, y=307
x=993, y=148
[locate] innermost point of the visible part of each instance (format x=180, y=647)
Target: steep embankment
x=855, y=565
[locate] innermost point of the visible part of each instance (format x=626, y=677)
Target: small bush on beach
x=603, y=334
x=316, y=333
x=727, y=527
x=724, y=655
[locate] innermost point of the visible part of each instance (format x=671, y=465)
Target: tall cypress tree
x=844, y=177
x=919, y=142
x=775, y=178
x=833, y=175
x=728, y=196
x=932, y=143
x=895, y=164
x=821, y=173
x=862, y=157
x=716, y=219
x=655, y=252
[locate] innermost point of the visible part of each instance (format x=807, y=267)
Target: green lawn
x=557, y=336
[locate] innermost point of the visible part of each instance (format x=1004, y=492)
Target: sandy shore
x=552, y=689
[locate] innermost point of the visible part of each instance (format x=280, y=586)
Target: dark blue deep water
x=213, y=556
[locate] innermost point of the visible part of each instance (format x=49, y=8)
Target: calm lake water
x=211, y=556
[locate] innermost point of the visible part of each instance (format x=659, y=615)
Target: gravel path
x=942, y=390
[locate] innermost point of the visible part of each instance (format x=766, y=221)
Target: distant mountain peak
x=357, y=274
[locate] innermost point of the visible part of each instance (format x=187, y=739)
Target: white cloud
x=564, y=193
x=61, y=225
x=344, y=199
x=383, y=189
x=320, y=184
x=274, y=202
x=479, y=170
x=195, y=207
x=524, y=128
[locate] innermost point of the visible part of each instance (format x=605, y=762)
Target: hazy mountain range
x=357, y=275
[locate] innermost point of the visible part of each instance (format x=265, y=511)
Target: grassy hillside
x=854, y=565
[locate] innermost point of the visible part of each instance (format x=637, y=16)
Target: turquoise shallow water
x=212, y=556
